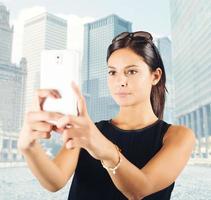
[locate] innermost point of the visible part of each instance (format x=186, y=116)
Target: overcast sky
x=148, y=15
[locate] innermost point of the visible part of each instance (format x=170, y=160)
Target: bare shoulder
x=164, y=168
x=179, y=133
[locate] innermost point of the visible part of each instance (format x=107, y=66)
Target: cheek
x=142, y=87
x=110, y=84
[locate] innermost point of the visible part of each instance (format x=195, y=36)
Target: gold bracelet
x=113, y=170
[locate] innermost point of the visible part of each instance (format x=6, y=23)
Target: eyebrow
x=128, y=66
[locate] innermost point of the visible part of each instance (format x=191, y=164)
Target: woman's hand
x=82, y=132
x=35, y=125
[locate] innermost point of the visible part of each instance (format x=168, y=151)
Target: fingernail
x=68, y=145
x=57, y=95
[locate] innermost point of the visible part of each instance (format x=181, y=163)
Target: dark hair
x=149, y=52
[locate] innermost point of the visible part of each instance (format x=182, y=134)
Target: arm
x=52, y=174
x=48, y=174
x=160, y=171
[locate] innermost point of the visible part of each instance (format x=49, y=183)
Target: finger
x=81, y=103
x=41, y=135
x=56, y=93
x=70, y=144
x=40, y=97
x=68, y=120
x=66, y=136
x=43, y=116
x=42, y=126
x=75, y=143
x=58, y=130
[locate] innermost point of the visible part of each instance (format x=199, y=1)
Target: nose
x=123, y=85
x=122, y=80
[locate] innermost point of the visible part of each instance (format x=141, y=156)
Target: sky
x=148, y=15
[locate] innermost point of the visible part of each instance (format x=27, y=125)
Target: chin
x=125, y=105
x=123, y=102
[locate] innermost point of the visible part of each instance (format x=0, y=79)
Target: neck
x=140, y=114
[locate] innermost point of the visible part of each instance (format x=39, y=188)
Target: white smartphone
x=58, y=69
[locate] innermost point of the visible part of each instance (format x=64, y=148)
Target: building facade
x=42, y=32
x=97, y=38
x=191, y=44
x=12, y=87
x=6, y=34
x=164, y=46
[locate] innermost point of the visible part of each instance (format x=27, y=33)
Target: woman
x=135, y=155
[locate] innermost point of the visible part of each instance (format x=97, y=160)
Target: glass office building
x=191, y=42
x=12, y=87
x=42, y=32
x=97, y=38
x=164, y=46
x=6, y=34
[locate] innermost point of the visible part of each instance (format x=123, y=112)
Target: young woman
x=135, y=155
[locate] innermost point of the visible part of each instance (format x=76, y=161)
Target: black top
x=92, y=181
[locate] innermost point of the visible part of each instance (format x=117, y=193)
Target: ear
x=156, y=76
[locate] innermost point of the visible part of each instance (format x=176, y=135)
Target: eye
x=133, y=71
x=111, y=72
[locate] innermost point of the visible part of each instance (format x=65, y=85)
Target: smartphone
x=58, y=69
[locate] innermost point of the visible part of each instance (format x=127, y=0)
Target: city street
x=194, y=183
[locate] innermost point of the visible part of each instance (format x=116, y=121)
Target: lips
x=122, y=93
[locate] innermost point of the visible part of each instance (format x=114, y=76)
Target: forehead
x=125, y=58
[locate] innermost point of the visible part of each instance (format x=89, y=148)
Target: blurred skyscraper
x=6, y=34
x=164, y=46
x=41, y=32
x=97, y=38
x=12, y=85
x=191, y=41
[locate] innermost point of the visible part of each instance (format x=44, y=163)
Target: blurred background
x=182, y=32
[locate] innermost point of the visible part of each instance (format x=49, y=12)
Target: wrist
x=25, y=146
x=110, y=153
x=112, y=163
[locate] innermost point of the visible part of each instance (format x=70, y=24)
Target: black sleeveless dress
x=92, y=182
